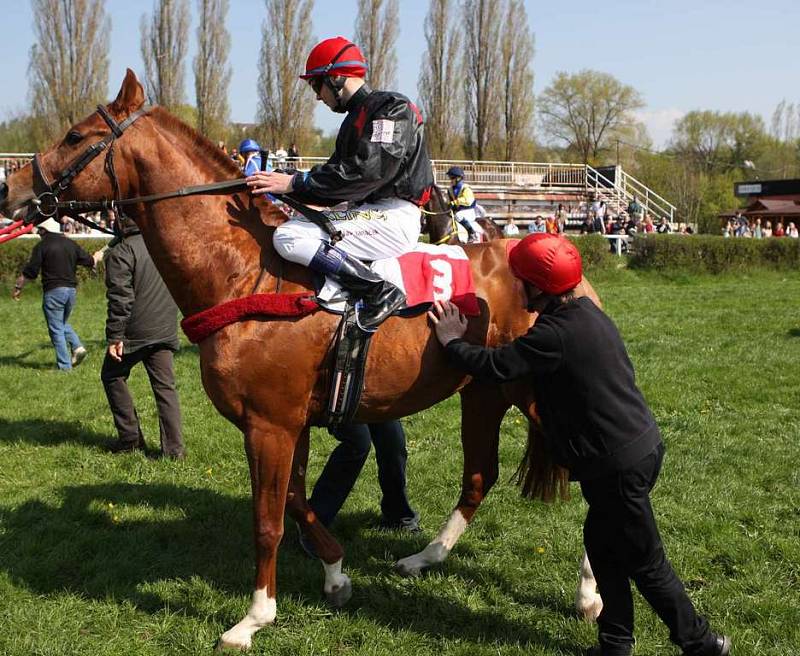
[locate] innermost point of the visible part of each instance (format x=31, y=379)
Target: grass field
x=103, y=554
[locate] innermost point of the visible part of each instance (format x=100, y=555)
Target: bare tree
x=287, y=104
x=376, y=34
x=441, y=99
x=164, y=44
x=482, y=67
x=212, y=74
x=517, y=57
x=587, y=111
x=69, y=61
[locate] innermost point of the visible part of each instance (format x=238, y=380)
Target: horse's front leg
x=338, y=588
x=269, y=452
x=587, y=600
x=482, y=410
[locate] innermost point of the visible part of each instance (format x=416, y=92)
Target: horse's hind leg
x=482, y=410
x=337, y=587
x=269, y=453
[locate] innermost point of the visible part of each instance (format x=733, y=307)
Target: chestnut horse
x=269, y=376
x=438, y=221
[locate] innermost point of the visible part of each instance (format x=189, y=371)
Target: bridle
x=47, y=203
x=453, y=227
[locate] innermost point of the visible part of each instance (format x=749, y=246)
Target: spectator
x=561, y=219
x=600, y=218
x=510, y=229
x=537, y=225
x=237, y=158
x=648, y=225
x=758, y=233
x=778, y=232
x=551, y=225
x=280, y=157
x=600, y=428
x=791, y=231
x=767, y=231
x=251, y=152
x=221, y=145
x=635, y=210
x=587, y=227
x=141, y=327
x=663, y=226
x=57, y=257
x=344, y=466
x=293, y=155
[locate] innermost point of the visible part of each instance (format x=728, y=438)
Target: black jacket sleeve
x=537, y=351
x=377, y=159
x=120, y=263
x=83, y=257
x=34, y=264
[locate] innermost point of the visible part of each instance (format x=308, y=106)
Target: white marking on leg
x=438, y=550
x=334, y=579
x=262, y=612
x=587, y=601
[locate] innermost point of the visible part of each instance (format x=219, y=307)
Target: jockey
x=251, y=152
x=463, y=202
x=380, y=168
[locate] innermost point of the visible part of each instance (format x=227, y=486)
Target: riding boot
x=381, y=298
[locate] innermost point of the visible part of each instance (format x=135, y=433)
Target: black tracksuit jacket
x=57, y=257
x=380, y=153
x=595, y=419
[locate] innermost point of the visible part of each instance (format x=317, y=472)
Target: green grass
x=104, y=554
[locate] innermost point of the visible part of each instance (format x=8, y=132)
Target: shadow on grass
x=49, y=433
x=128, y=542
x=25, y=361
x=794, y=332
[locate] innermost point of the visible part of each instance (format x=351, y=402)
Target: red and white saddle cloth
x=428, y=273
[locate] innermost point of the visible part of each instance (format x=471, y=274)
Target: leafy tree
x=68, y=61
x=517, y=75
x=588, y=111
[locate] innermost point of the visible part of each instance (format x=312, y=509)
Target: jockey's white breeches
x=469, y=216
x=372, y=231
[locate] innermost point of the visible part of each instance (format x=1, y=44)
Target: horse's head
x=437, y=218
x=80, y=165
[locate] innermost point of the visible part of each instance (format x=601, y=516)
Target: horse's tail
x=538, y=475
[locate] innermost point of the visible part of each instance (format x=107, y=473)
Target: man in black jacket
x=57, y=257
x=598, y=426
x=141, y=327
x=380, y=168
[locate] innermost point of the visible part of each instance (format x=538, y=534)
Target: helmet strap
x=336, y=85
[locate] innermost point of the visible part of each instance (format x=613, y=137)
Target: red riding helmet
x=336, y=56
x=549, y=262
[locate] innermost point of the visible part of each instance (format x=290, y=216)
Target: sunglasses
x=316, y=84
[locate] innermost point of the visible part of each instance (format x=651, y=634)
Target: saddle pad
x=428, y=273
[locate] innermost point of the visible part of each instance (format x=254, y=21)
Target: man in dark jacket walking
x=57, y=257
x=598, y=426
x=141, y=327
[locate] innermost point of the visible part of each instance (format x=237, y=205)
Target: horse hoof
x=406, y=569
x=590, y=609
x=227, y=647
x=340, y=595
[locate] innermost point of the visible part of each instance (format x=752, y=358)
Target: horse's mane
x=208, y=152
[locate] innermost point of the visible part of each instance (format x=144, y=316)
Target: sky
x=725, y=55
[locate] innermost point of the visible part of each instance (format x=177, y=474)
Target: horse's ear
x=130, y=96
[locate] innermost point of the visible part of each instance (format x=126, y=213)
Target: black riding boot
x=380, y=297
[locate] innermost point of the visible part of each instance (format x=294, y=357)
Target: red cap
x=549, y=262
x=336, y=56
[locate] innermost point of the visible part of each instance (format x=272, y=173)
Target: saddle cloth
x=428, y=273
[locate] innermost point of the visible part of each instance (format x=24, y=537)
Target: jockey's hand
x=448, y=322
x=269, y=183
x=115, y=351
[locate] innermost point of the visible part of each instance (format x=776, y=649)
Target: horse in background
x=439, y=223
x=269, y=375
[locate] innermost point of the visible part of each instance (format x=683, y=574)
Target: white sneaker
x=78, y=356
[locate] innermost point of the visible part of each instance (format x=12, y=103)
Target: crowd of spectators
x=278, y=159
x=741, y=226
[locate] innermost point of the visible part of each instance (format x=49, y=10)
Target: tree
x=164, y=42
x=440, y=98
x=69, y=60
x=212, y=74
x=588, y=111
x=481, y=65
x=376, y=29
x=287, y=105
x=517, y=56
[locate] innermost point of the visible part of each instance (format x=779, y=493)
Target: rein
x=453, y=227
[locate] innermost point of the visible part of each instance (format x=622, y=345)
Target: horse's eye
x=74, y=137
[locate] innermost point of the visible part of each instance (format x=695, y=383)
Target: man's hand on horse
x=448, y=322
x=269, y=183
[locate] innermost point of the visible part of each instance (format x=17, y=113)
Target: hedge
x=712, y=254
x=595, y=251
x=15, y=254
